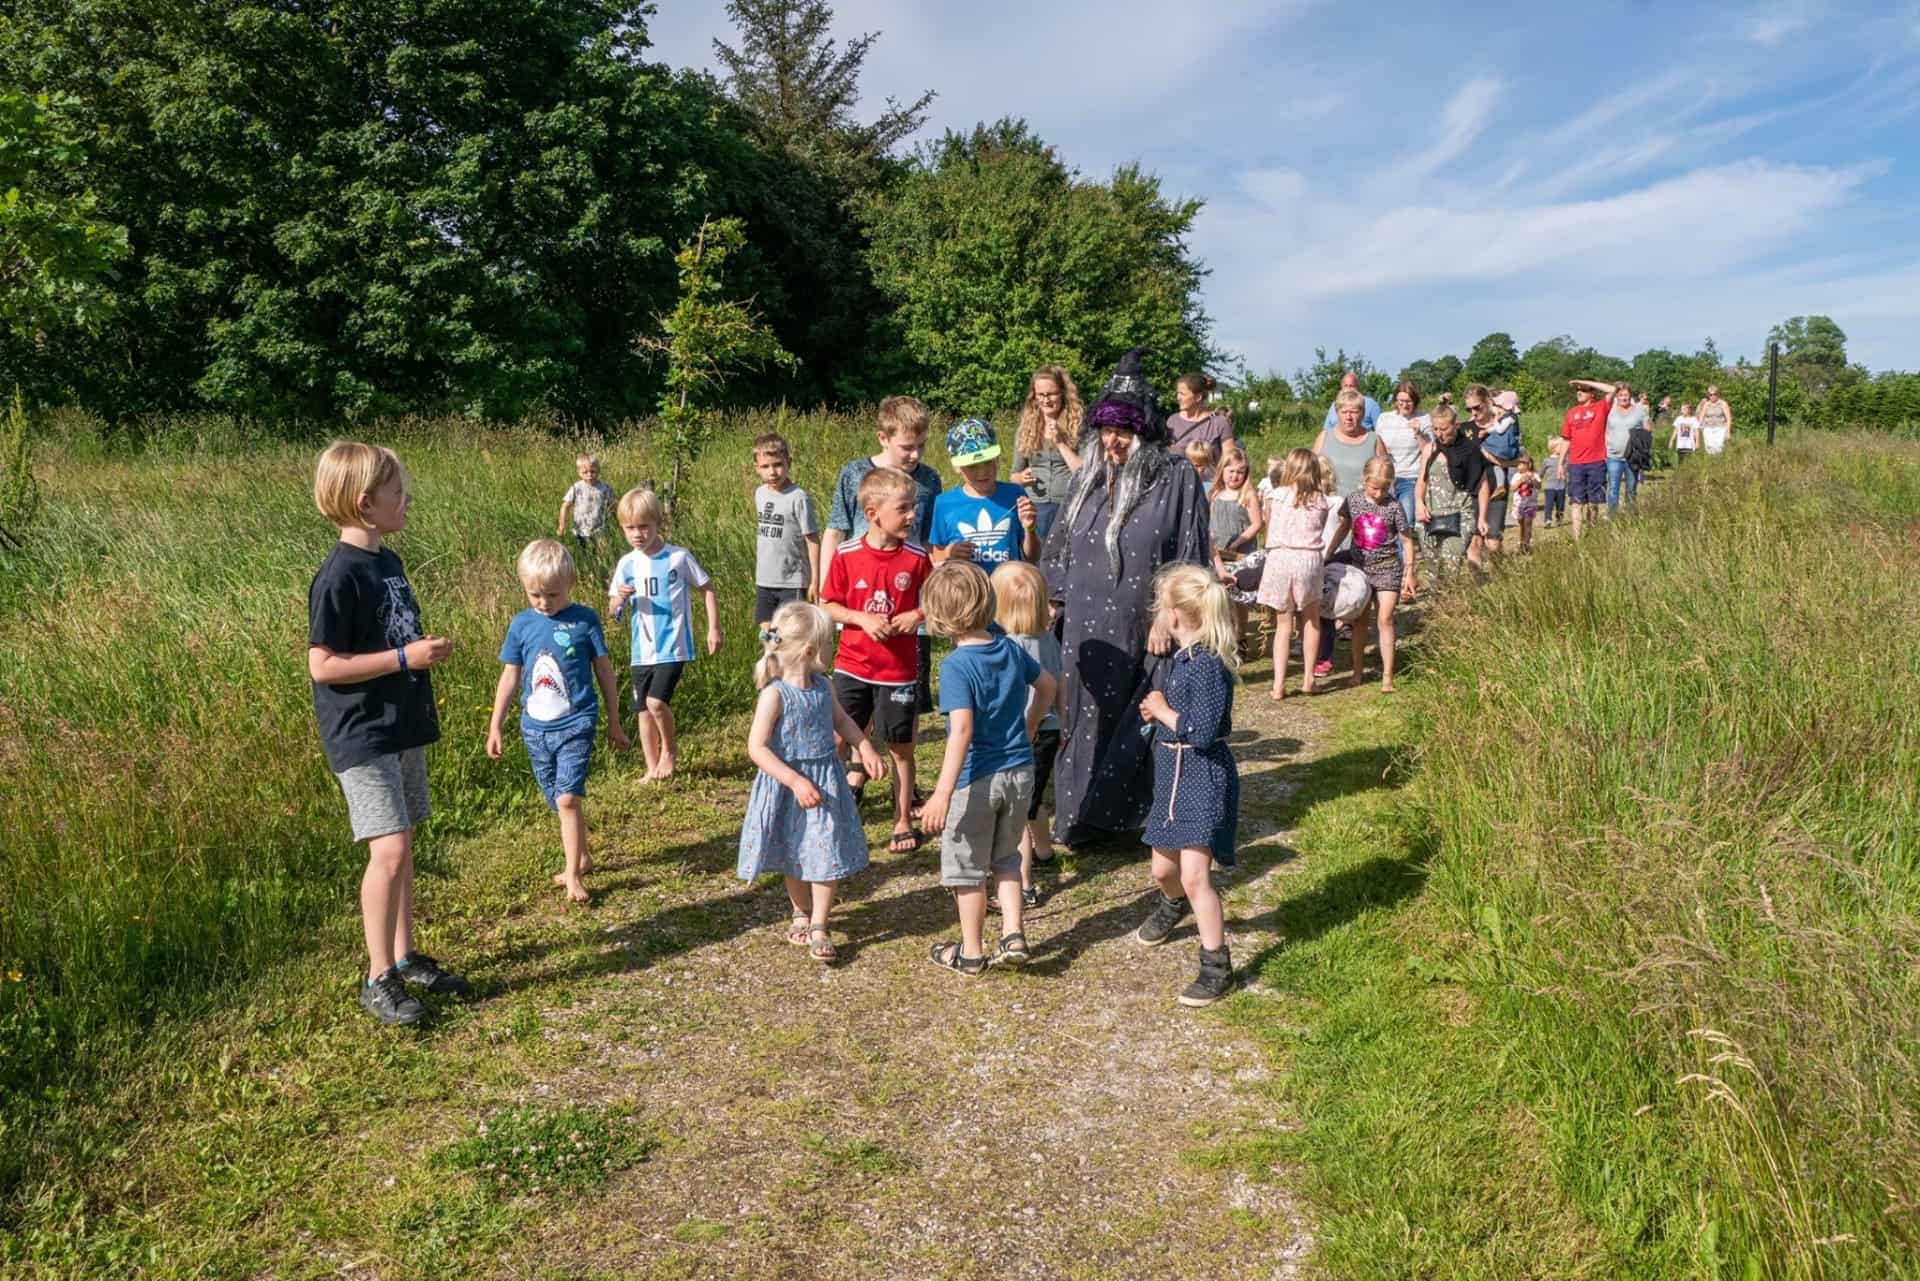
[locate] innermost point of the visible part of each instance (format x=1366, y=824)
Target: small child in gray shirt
x=587, y=501
x=786, y=542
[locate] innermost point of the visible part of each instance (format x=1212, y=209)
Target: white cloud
x=1771, y=25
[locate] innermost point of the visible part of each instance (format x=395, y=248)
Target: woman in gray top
x=1348, y=447
x=1044, y=457
x=1194, y=421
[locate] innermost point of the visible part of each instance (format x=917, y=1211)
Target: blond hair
x=957, y=598
x=1200, y=598
x=1031, y=436
x=1020, y=599
x=1328, y=477
x=347, y=471
x=1301, y=472
x=796, y=637
x=902, y=413
x=591, y=460
x=1378, y=468
x=1200, y=453
x=1443, y=413
x=642, y=504
x=1231, y=456
x=544, y=563
x=882, y=484
x=1349, y=396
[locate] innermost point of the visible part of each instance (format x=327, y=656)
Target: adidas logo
x=987, y=533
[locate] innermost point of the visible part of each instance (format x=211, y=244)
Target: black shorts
x=1045, y=748
x=656, y=681
x=768, y=599
x=884, y=711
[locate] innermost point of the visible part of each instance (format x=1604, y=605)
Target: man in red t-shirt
x=872, y=590
x=1585, y=429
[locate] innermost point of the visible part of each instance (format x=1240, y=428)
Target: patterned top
x=1376, y=538
x=1230, y=520
x=1297, y=527
x=588, y=505
x=802, y=733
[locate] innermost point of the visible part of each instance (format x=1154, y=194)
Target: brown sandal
x=820, y=945
x=797, y=929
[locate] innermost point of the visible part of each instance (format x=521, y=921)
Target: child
x=1553, y=481
x=1196, y=789
x=586, y=500
x=801, y=820
x=1200, y=454
x=373, y=700
x=1020, y=608
x=986, y=777
x=1500, y=443
x=986, y=520
x=1376, y=521
x=873, y=591
x=1296, y=557
x=786, y=546
x=1526, y=498
x=662, y=621
x=554, y=655
x=1269, y=479
x=1236, y=521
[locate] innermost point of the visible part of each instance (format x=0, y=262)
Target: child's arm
x=1029, y=538
x=851, y=734
x=503, y=691
x=766, y=715
x=878, y=626
x=1045, y=691
x=610, y=696
x=330, y=667
x=1257, y=520
x=829, y=544
x=1407, y=584
x=566, y=508
x=933, y=816
x=713, y=618
x=813, y=569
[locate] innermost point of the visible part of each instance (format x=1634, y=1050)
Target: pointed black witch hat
x=1127, y=385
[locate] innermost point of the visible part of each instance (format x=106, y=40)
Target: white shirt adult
x=1404, y=436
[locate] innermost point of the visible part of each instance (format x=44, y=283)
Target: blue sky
x=1402, y=179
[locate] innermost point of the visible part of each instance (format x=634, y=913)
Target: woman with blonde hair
x=1044, y=456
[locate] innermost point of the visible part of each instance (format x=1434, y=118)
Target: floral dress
x=1447, y=544
x=825, y=843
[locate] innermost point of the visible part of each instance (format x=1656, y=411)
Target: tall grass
x=168, y=821
x=1674, y=774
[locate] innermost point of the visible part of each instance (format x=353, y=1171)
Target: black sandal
x=1012, y=950
x=947, y=957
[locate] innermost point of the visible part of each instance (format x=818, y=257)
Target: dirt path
x=885, y=1119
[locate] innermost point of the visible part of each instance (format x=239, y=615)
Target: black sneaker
x=1215, y=980
x=1167, y=913
x=1030, y=897
x=387, y=999
x=423, y=971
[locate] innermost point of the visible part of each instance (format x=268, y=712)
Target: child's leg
x=1311, y=629
x=573, y=845
x=649, y=735
x=901, y=754
x=662, y=713
x=1282, y=642
x=1384, y=603
x=1359, y=647
x=383, y=908
x=1196, y=881
x=820, y=901
x=1526, y=532
x=971, y=900
x=1165, y=870
x=1007, y=889
x=799, y=896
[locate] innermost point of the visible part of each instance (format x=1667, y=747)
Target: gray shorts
x=984, y=822
x=387, y=794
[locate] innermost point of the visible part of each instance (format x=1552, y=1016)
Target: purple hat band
x=1117, y=413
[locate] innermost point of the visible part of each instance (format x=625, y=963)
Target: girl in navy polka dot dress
x=1196, y=788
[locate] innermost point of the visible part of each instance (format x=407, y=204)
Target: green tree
x=1432, y=376
x=1494, y=361
x=999, y=258
x=1556, y=360
x=1318, y=382
x=1813, y=349
x=55, y=247
x=1659, y=373
x=359, y=205
x=706, y=339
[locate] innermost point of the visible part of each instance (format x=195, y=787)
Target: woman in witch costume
x=1131, y=508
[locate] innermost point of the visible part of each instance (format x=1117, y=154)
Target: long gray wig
x=1126, y=402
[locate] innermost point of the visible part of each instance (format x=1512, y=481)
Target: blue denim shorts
x=559, y=761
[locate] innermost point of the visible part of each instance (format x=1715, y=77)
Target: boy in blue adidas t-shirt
x=656, y=580
x=554, y=656
x=986, y=777
x=986, y=520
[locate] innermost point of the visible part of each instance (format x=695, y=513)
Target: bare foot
x=586, y=862
x=665, y=770
x=576, y=892
x=1279, y=694
x=1386, y=687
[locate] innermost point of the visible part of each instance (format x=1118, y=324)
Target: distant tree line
x=355, y=207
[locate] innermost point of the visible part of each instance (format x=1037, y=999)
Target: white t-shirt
x=1685, y=438
x=1403, y=438
x=661, y=604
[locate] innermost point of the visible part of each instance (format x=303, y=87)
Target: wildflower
x=15, y=976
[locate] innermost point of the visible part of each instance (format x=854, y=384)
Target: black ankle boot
x=1215, y=980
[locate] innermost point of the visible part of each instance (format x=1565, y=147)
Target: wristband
x=400, y=652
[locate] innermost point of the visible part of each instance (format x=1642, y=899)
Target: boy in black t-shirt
x=367, y=655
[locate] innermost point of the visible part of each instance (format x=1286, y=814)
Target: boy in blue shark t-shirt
x=554, y=655
x=986, y=520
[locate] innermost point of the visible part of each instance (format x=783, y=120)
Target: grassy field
x=1625, y=969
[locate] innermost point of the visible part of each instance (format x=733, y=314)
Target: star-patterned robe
x=1103, y=780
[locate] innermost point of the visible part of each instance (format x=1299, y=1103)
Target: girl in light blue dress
x=801, y=818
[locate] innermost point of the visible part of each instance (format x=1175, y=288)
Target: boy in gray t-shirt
x=786, y=542
x=586, y=503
